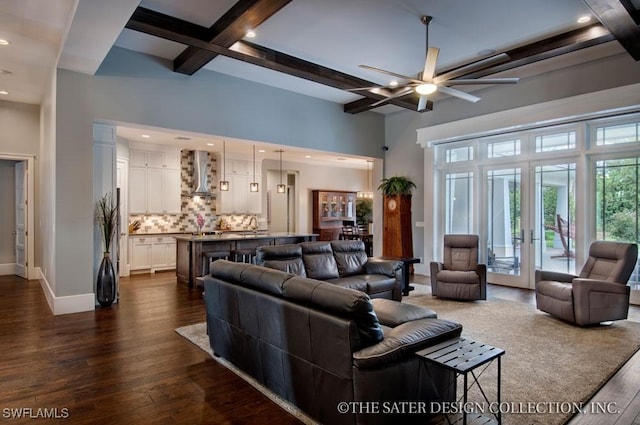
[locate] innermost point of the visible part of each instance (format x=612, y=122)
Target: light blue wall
x=134, y=88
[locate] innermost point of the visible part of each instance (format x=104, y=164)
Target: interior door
x=123, y=218
x=21, y=218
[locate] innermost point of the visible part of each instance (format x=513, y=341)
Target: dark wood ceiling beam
x=230, y=28
x=152, y=23
x=616, y=17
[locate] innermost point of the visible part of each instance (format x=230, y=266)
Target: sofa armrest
x=611, y=301
x=385, y=267
x=404, y=340
x=554, y=276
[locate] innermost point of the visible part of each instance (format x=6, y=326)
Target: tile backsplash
x=185, y=222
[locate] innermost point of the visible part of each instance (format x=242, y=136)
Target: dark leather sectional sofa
x=342, y=263
x=317, y=344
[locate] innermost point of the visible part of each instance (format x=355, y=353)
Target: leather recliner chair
x=459, y=276
x=599, y=294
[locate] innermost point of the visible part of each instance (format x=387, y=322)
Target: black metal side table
x=463, y=356
x=406, y=271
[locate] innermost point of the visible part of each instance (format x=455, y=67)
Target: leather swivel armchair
x=459, y=276
x=599, y=294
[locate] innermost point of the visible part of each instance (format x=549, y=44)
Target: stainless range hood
x=200, y=178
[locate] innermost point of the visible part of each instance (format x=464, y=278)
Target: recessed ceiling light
x=250, y=34
x=393, y=83
x=307, y=156
x=209, y=144
x=145, y=136
x=583, y=19
x=4, y=42
x=4, y=92
x=261, y=150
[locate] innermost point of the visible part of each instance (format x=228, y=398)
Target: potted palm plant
x=107, y=217
x=396, y=185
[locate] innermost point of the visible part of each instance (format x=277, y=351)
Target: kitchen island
x=191, y=263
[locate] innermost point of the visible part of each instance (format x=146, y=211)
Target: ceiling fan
x=427, y=82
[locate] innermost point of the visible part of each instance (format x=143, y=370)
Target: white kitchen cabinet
x=154, y=159
x=239, y=199
x=153, y=253
x=140, y=253
x=154, y=182
x=163, y=253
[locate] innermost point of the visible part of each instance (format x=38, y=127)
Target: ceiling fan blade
x=430, y=64
x=422, y=103
x=457, y=93
x=399, y=93
x=393, y=74
x=472, y=67
x=368, y=88
x=478, y=81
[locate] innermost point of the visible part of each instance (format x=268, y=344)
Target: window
x=459, y=202
x=556, y=142
x=503, y=148
x=617, y=203
x=464, y=153
x=616, y=134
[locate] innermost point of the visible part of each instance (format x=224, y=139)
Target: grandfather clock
x=397, y=236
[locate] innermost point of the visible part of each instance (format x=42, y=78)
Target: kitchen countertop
x=240, y=236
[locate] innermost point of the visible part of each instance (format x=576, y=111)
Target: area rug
x=550, y=368
x=549, y=371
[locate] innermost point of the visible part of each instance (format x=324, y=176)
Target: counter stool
x=210, y=256
x=245, y=255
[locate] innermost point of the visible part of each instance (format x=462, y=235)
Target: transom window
x=556, y=142
x=504, y=148
x=616, y=134
x=464, y=153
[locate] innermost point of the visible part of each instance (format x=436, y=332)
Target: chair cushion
x=452, y=276
x=369, y=283
x=350, y=257
x=559, y=290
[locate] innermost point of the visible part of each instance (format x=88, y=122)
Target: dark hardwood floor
x=121, y=365
x=126, y=365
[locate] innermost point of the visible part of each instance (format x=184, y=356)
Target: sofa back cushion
x=350, y=257
x=318, y=260
x=287, y=258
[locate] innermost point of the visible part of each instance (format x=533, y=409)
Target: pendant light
x=281, y=188
x=253, y=186
x=224, y=183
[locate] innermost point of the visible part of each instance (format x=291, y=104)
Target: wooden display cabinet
x=332, y=209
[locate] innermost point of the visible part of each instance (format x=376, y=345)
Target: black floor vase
x=106, y=285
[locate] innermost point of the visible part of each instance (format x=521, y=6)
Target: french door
x=528, y=220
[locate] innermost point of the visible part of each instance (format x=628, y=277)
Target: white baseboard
x=7, y=269
x=68, y=304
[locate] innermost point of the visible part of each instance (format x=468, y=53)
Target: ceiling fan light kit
x=428, y=83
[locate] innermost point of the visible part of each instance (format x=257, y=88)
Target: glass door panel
x=553, y=234
x=505, y=232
